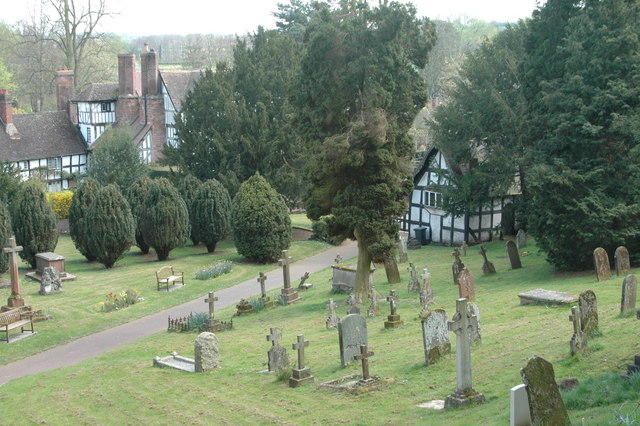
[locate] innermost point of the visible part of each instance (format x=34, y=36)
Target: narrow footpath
x=104, y=341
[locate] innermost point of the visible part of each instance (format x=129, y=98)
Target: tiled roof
x=178, y=84
x=98, y=92
x=41, y=135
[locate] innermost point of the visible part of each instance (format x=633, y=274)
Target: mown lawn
x=122, y=387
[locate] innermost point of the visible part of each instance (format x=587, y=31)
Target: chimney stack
x=149, y=63
x=126, y=73
x=6, y=114
x=64, y=89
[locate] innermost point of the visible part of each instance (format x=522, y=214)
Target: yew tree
x=79, y=224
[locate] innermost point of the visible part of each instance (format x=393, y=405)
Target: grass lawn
x=122, y=387
x=74, y=311
x=300, y=219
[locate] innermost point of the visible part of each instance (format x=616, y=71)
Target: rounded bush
x=211, y=213
x=260, y=221
x=5, y=233
x=79, y=225
x=60, y=202
x=135, y=197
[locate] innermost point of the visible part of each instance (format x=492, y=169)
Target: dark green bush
x=188, y=186
x=34, y=222
x=5, y=232
x=323, y=230
x=260, y=221
x=135, y=197
x=211, y=213
x=166, y=219
x=78, y=214
x=112, y=226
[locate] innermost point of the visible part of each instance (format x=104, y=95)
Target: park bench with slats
x=12, y=319
x=167, y=276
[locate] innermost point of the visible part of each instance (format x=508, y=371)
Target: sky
x=154, y=17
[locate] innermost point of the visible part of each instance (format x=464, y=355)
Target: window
x=172, y=138
x=105, y=107
x=54, y=163
x=433, y=199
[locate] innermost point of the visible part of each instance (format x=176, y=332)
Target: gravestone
x=621, y=259
x=277, y=355
x=338, y=259
x=464, y=246
x=425, y=285
x=466, y=285
x=521, y=238
x=352, y=332
x=51, y=282
x=474, y=332
x=629, y=294
x=344, y=277
x=244, y=308
x=457, y=266
x=289, y=295
x=601, y=262
x=460, y=324
x=487, y=267
x=551, y=297
x=206, y=352
x=513, y=255
x=15, y=300
x=304, y=285
x=373, y=308
x=403, y=240
x=435, y=336
x=632, y=368
x=519, y=414
x=352, y=301
x=393, y=320
x=588, y=305
x=302, y=374
x=332, y=319
x=545, y=403
x=266, y=300
x=364, y=356
x=414, y=284
x=578, y=342
x=413, y=244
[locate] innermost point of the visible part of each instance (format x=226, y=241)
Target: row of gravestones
x=602, y=266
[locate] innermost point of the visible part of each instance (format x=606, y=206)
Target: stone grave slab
x=344, y=277
x=435, y=336
x=545, y=403
x=519, y=406
x=49, y=259
x=352, y=332
x=351, y=384
x=601, y=262
x=550, y=297
x=175, y=361
x=621, y=259
x=629, y=294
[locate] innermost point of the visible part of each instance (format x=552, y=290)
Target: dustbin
x=423, y=234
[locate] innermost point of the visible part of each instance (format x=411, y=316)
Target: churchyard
x=122, y=386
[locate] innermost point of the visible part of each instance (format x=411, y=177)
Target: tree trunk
x=391, y=269
x=364, y=269
x=211, y=247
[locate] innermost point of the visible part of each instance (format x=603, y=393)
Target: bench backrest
x=164, y=272
x=9, y=317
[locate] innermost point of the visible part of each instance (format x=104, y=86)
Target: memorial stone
x=545, y=403
x=352, y=301
x=629, y=294
x=487, y=267
x=588, y=305
x=244, y=308
x=393, y=320
x=457, y=266
x=466, y=285
x=403, y=240
x=513, y=255
x=207, y=355
x=521, y=238
x=414, y=284
x=364, y=356
x=578, y=342
x=425, y=285
x=15, y=300
x=51, y=282
x=289, y=295
x=474, y=332
x=621, y=258
x=601, y=262
x=435, y=336
x=373, y=308
x=519, y=406
x=332, y=319
x=266, y=300
x=302, y=374
x=277, y=355
x=352, y=332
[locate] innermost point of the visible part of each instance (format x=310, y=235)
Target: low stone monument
x=435, y=336
x=352, y=301
x=466, y=285
x=277, y=355
x=601, y=262
x=288, y=294
x=332, y=319
x=175, y=361
x=49, y=259
x=50, y=282
x=550, y=297
x=364, y=356
x=621, y=259
x=344, y=277
x=513, y=255
x=519, y=414
x=244, y=308
x=578, y=342
x=457, y=266
x=393, y=320
x=545, y=403
x=414, y=284
x=487, y=267
x=521, y=238
x=629, y=294
x=588, y=305
x=302, y=374
x=206, y=352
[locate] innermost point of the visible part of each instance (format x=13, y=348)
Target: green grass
x=300, y=219
x=122, y=387
x=74, y=312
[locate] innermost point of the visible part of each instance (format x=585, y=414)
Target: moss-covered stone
x=545, y=403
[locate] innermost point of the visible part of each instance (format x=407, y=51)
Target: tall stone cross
x=285, y=262
x=15, y=300
x=274, y=336
x=211, y=301
x=364, y=357
x=463, y=322
x=578, y=342
x=392, y=298
x=299, y=346
x=261, y=279
x=483, y=253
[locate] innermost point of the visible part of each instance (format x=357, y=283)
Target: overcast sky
x=145, y=17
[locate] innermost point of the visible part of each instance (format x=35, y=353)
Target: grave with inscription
x=545, y=403
x=513, y=255
x=466, y=285
x=487, y=267
x=601, y=263
x=352, y=332
x=206, y=352
x=302, y=374
x=588, y=305
x=621, y=259
x=629, y=294
x=393, y=319
x=435, y=336
x=277, y=354
x=475, y=335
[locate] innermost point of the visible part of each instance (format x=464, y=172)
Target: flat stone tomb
x=545, y=403
x=601, y=262
x=344, y=277
x=435, y=336
x=302, y=374
x=352, y=332
x=551, y=297
x=621, y=258
x=629, y=294
x=49, y=259
x=176, y=361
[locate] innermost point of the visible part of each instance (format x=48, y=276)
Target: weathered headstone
x=413, y=244
x=629, y=294
x=521, y=238
x=302, y=374
x=435, y=336
x=588, y=305
x=244, y=308
x=487, y=267
x=364, y=356
x=206, y=352
x=352, y=332
x=332, y=319
x=621, y=259
x=352, y=301
x=51, y=282
x=466, y=285
x=403, y=240
x=15, y=300
x=601, y=262
x=457, y=266
x=513, y=255
x=277, y=355
x=551, y=297
x=545, y=403
x=373, y=308
x=338, y=259
x=460, y=324
x=393, y=319
x=475, y=335
x=519, y=406
x=414, y=284
x=425, y=284
x=578, y=342
x=289, y=295
x=633, y=367
x=304, y=285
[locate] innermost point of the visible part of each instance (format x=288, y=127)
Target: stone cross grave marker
x=601, y=261
x=15, y=300
x=393, y=320
x=277, y=355
x=466, y=285
x=578, y=342
x=474, y=332
x=464, y=246
x=629, y=294
x=352, y=332
x=332, y=320
x=414, y=284
x=302, y=374
x=206, y=351
x=457, y=266
x=304, y=285
x=513, y=255
x=289, y=295
x=261, y=279
x=519, y=406
x=487, y=267
x=461, y=322
x=588, y=305
x=435, y=336
x=621, y=259
x=338, y=259
x=352, y=301
x=545, y=403
x=211, y=300
x=521, y=238
x=364, y=357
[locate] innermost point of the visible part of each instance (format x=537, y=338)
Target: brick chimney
x=64, y=89
x=126, y=74
x=149, y=65
x=6, y=113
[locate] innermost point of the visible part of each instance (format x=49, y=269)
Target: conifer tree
x=187, y=187
x=34, y=222
x=260, y=221
x=166, y=218
x=79, y=225
x=5, y=231
x=135, y=196
x=112, y=227
x=211, y=213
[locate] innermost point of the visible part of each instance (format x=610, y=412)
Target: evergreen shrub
x=135, y=196
x=5, y=232
x=211, y=213
x=188, y=186
x=78, y=216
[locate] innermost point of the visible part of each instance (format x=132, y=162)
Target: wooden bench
x=168, y=276
x=12, y=319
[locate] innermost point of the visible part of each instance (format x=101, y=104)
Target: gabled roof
x=178, y=84
x=41, y=135
x=98, y=92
